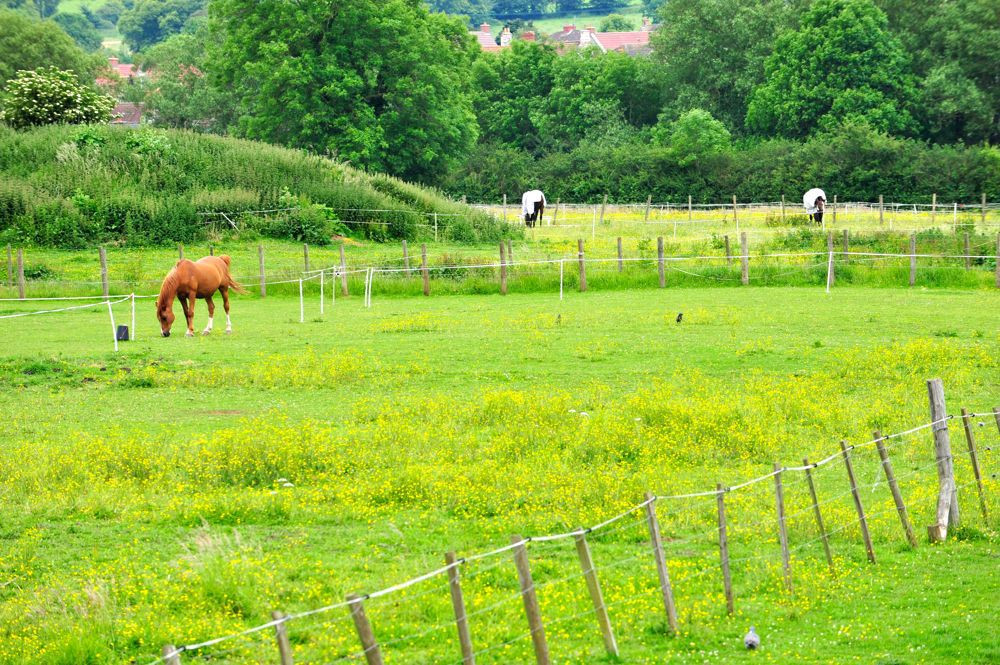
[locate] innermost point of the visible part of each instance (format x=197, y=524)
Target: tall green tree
x=152, y=21
x=80, y=29
x=841, y=65
x=381, y=83
x=27, y=43
x=712, y=53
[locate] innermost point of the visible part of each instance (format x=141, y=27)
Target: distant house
x=119, y=72
x=126, y=114
x=635, y=42
x=488, y=43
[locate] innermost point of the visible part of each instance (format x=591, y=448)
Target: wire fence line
x=640, y=516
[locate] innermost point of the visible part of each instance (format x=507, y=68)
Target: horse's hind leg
x=224, y=290
x=188, y=305
x=211, y=315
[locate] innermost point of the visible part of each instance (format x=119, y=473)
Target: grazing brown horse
x=190, y=280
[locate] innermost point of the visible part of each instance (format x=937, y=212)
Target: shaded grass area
x=185, y=488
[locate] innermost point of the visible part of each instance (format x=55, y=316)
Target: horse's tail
x=230, y=282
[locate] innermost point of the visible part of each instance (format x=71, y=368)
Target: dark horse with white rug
x=190, y=280
x=533, y=207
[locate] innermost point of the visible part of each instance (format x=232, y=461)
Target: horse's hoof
x=229, y=331
x=189, y=334
x=206, y=332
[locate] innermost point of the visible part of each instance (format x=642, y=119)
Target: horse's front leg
x=189, y=314
x=211, y=315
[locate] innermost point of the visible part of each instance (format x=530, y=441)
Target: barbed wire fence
x=666, y=560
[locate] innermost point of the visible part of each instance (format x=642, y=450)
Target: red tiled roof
x=617, y=41
x=486, y=41
x=126, y=113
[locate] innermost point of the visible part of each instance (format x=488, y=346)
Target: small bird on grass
x=679, y=317
x=752, y=640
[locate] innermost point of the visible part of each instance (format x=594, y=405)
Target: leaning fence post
x=947, y=504
x=996, y=416
x=819, y=515
x=170, y=655
x=779, y=502
x=530, y=599
x=103, y=253
x=260, y=263
x=620, y=264
x=661, y=562
x=343, y=272
x=862, y=520
x=913, y=259
x=583, y=265
x=423, y=269
x=458, y=605
x=281, y=635
x=20, y=273
x=744, y=260
x=894, y=488
x=727, y=582
x=970, y=439
x=594, y=588
x=372, y=653
x=503, y=271
x=659, y=261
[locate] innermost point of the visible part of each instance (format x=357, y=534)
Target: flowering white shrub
x=53, y=96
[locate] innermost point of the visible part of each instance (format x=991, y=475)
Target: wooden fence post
x=862, y=520
x=263, y=277
x=982, y=209
x=649, y=203
x=834, y=219
x=894, y=488
x=997, y=269
x=281, y=635
x=659, y=261
x=967, y=252
x=510, y=251
x=729, y=254
x=832, y=277
x=744, y=260
x=847, y=244
x=406, y=258
x=661, y=563
x=996, y=416
x=620, y=256
x=343, y=272
x=103, y=254
x=305, y=256
x=594, y=588
x=604, y=205
x=423, y=269
x=913, y=259
x=503, y=271
x=736, y=219
x=779, y=502
x=180, y=251
x=947, y=504
x=881, y=209
x=690, y=213
x=555, y=215
x=504, y=208
x=782, y=209
x=211, y=250
x=819, y=515
x=530, y=599
x=583, y=265
x=170, y=655
x=458, y=605
x=970, y=439
x=372, y=653
x=20, y=273
x=933, y=209
x=727, y=582
x=10, y=267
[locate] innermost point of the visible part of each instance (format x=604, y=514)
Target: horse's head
x=165, y=315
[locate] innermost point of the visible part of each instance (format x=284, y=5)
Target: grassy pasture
x=143, y=501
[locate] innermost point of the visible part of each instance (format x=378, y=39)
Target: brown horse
x=190, y=280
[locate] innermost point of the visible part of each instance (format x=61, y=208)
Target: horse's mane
x=169, y=285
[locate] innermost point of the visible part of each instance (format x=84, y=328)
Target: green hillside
x=71, y=186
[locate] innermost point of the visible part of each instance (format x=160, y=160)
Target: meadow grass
x=183, y=488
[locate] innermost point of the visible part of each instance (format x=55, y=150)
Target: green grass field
x=184, y=488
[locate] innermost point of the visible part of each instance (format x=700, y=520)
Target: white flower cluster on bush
x=53, y=96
